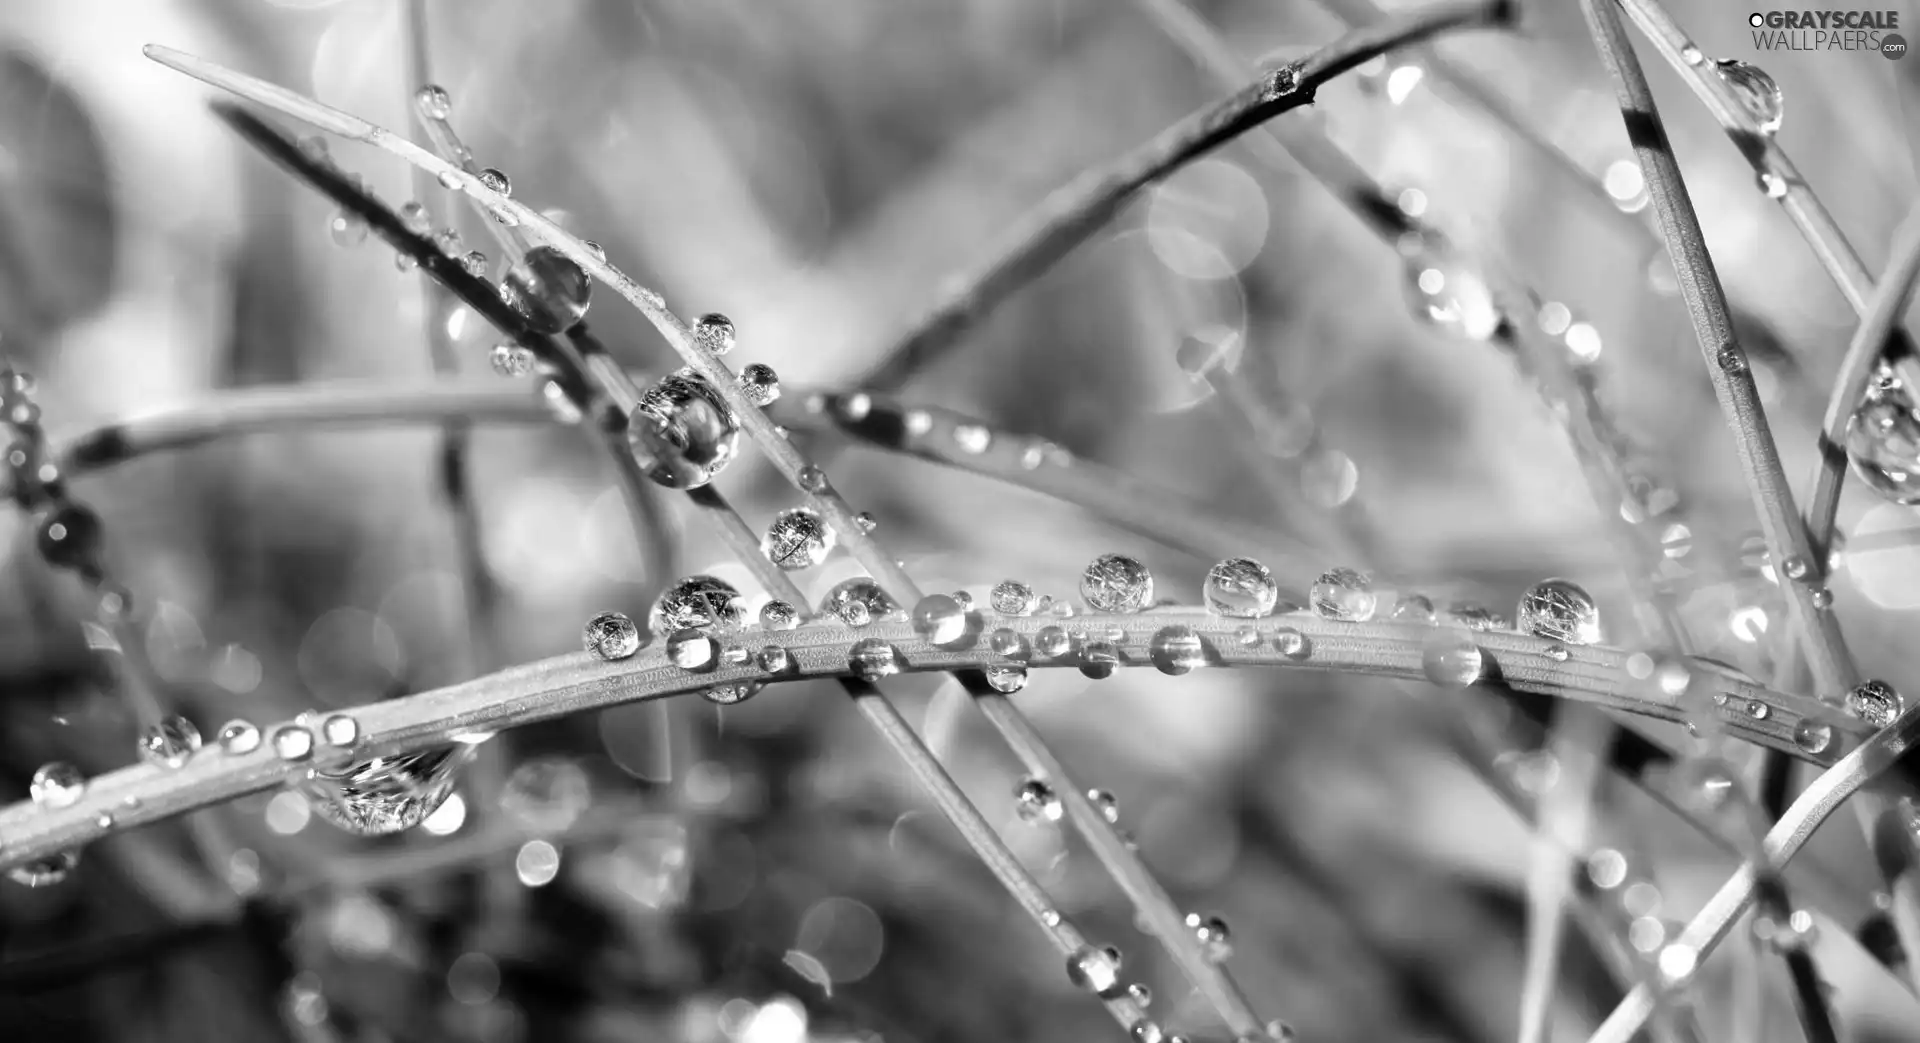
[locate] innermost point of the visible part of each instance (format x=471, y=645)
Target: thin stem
x=1075, y=210
x=1784, y=840
x=577, y=682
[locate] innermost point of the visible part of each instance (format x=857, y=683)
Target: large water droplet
x=858, y=602
x=1812, y=736
x=1098, y=659
x=1344, y=594
x=1036, y=802
x=171, y=743
x=611, y=635
x=798, y=539
x=683, y=431
x=1094, y=970
x=1883, y=440
x=1006, y=679
x=57, y=785
x=547, y=290
x=45, y=872
x=1241, y=588
x=715, y=332
x=1756, y=90
x=1176, y=650
x=941, y=621
x=1116, y=583
x=873, y=658
x=385, y=794
x=1451, y=658
x=238, y=737
x=1559, y=610
x=698, y=603
x=1874, y=702
x=496, y=181
x=759, y=383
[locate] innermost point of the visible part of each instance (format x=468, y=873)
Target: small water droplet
x=346, y=229
x=1414, y=608
x=1006, y=679
x=171, y=743
x=405, y=262
x=693, y=651
x=1560, y=610
x=1692, y=55
x=1883, y=439
x=611, y=635
x=866, y=522
x=1036, y=802
x=812, y=479
x=858, y=602
x=1106, y=804
x=433, y=102
x=1146, y=1030
x=1451, y=658
x=1009, y=644
x=1343, y=594
x=510, y=360
x=714, y=332
x=1098, y=659
x=698, y=603
x=759, y=383
x=1116, y=583
x=384, y=795
x=1758, y=710
x=1875, y=702
x=1140, y=994
x=1795, y=567
x=547, y=290
x=1820, y=597
x=731, y=694
x=1475, y=617
x=972, y=439
x=1240, y=588
x=1094, y=970
x=857, y=406
x=1558, y=652
x=1292, y=643
x=873, y=658
x=779, y=615
x=798, y=539
x=1757, y=92
x=941, y=621
x=1177, y=650
x=1773, y=185
x=1053, y=642
x=496, y=181
x=238, y=736
x=475, y=263
x=1214, y=937
x=291, y=742
x=452, y=180
x=1010, y=597
x=45, y=872
x=57, y=785
x=1812, y=736
x=340, y=730
x=447, y=240
x=775, y=659
x=1451, y=297
x=416, y=219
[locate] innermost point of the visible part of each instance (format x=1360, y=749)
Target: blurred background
x=768, y=873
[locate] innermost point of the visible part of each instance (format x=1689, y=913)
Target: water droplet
x=1106, y=804
x=171, y=743
x=1214, y=937
x=779, y=615
x=405, y=262
x=759, y=383
x=416, y=219
x=547, y=290
x=1146, y=1030
x=1343, y=594
x=291, y=742
x=1291, y=643
x=1757, y=92
x=1450, y=297
x=872, y=658
x=1036, y=802
x=1773, y=185
x=1010, y=597
x=45, y=872
x=683, y=431
x=1758, y=710
x=346, y=229
x=1006, y=679
x=972, y=439
x=237, y=737
x=858, y=602
x=1140, y=994
x=1009, y=644
x=731, y=694
x=57, y=785
x=433, y=102
x=452, y=180
x=1795, y=567
x=1451, y=658
x=941, y=621
x=918, y=422
x=798, y=539
x=1094, y=970
x=1820, y=597
x=1053, y=642
x=447, y=241
x=340, y=730
x=1874, y=702
x=315, y=148
x=1240, y=588
x=1676, y=541
x=775, y=660
x=1176, y=650
x=496, y=181
x=510, y=360
x=1098, y=659
x=698, y=603
x=475, y=263
x=1475, y=617
x=69, y=537
x=715, y=332
x=963, y=599
x=812, y=479
x=611, y=635
x=1812, y=736
x=384, y=795
x=1414, y=608
x=1883, y=440
x=1559, y=610
x=1116, y=583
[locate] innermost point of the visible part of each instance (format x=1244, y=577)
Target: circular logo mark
x=1756, y=19
x=1894, y=46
